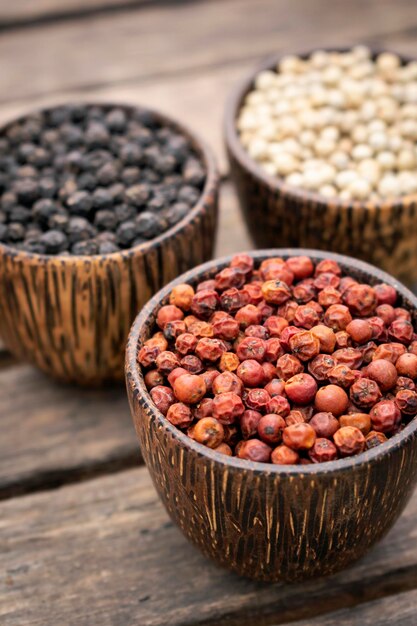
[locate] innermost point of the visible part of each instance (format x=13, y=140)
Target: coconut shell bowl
x=277, y=214
x=70, y=315
x=272, y=522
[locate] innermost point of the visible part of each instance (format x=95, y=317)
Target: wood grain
x=27, y=13
x=397, y=610
x=168, y=40
x=104, y=553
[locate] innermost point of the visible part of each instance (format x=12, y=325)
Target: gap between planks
x=28, y=14
x=109, y=543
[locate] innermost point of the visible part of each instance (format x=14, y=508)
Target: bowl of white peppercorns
x=323, y=151
x=100, y=206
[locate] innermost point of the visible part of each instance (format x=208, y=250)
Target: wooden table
x=83, y=537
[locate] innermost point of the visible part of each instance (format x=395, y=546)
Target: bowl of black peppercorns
x=100, y=206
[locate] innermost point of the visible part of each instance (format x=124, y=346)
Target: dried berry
x=270, y=428
x=179, y=414
x=385, y=416
x=324, y=424
x=208, y=431
x=331, y=399
x=365, y=393
x=406, y=400
x=349, y=441
x=227, y=382
x=299, y=436
x=322, y=451
x=382, y=372
x=254, y=450
x=283, y=455
x=361, y=299
x=162, y=397
x=301, y=388
x=251, y=373
x=288, y=366
x=321, y=366
x=257, y=399
x=304, y=345
x=406, y=365
x=249, y=423
x=189, y=388
x=227, y=407
x=182, y=296
x=358, y=420
x=374, y=439
x=326, y=337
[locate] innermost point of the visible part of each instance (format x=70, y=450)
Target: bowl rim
x=274, y=183
x=139, y=393
x=203, y=150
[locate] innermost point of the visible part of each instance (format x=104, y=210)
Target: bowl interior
x=274, y=182
x=198, y=145
x=144, y=324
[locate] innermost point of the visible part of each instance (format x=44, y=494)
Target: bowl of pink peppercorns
x=274, y=397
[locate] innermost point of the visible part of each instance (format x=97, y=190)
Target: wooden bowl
x=264, y=521
x=278, y=214
x=70, y=315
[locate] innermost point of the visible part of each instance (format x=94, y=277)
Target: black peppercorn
x=20, y=214
x=105, y=220
x=55, y=241
x=80, y=203
x=15, y=232
x=79, y=229
x=148, y=225
x=107, y=247
x=137, y=195
x=81, y=179
x=27, y=190
x=85, y=248
x=126, y=233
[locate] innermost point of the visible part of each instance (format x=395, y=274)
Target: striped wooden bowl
x=271, y=522
x=277, y=214
x=70, y=315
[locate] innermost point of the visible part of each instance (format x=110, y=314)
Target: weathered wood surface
x=104, y=552
x=397, y=610
x=171, y=39
x=53, y=434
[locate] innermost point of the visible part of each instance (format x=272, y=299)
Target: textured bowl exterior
x=264, y=521
x=277, y=214
x=71, y=315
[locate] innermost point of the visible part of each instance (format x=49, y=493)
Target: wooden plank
x=397, y=610
x=163, y=40
x=27, y=12
x=104, y=552
x=53, y=434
